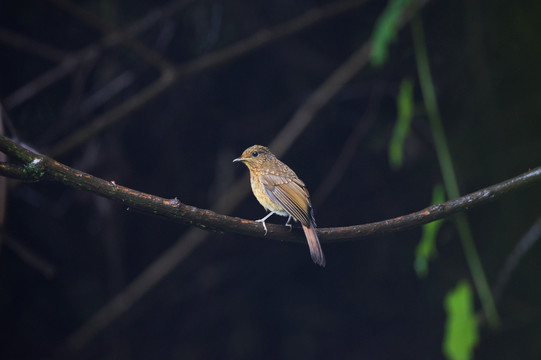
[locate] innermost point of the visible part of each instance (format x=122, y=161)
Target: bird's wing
x=291, y=193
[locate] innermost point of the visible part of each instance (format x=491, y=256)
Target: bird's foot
x=288, y=224
x=264, y=226
x=262, y=220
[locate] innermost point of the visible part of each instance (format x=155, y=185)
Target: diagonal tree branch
x=40, y=167
x=28, y=256
x=31, y=46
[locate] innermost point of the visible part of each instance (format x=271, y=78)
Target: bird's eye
x=255, y=153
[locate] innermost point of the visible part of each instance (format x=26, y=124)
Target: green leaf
x=385, y=30
x=426, y=249
x=461, y=332
x=405, y=105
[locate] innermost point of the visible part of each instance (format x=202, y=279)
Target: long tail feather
x=313, y=243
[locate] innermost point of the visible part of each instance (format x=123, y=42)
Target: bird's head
x=255, y=156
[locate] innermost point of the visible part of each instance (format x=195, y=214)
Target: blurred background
x=161, y=97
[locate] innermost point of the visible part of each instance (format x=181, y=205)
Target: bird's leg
x=288, y=224
x=262, y=220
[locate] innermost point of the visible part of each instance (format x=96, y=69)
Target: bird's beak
x=238, y=159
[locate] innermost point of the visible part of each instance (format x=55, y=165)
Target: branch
x=31, y=46
x=336, y=173
x=28, y=256
x=511, y=263
x=40, y=167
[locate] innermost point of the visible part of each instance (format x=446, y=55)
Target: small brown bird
x=280, y=191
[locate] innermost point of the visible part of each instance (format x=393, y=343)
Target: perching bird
x=280, y=191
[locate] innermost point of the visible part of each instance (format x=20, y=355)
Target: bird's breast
x=261, y=195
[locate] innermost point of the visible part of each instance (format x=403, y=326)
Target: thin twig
x=112, y=88
x=120, y=303
x=335, y=174
x=31, y=46
x=320, y=97
x=512, y=261
x=28, y=256
x=48, y=78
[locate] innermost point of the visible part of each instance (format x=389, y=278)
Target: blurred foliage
x=461, y=333
x=385, y=30
x=405, y=106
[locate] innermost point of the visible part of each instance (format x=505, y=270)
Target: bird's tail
x=313, y=243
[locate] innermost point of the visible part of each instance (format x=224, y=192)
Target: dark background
x=237, y=297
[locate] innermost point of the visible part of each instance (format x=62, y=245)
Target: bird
x=280, y=191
